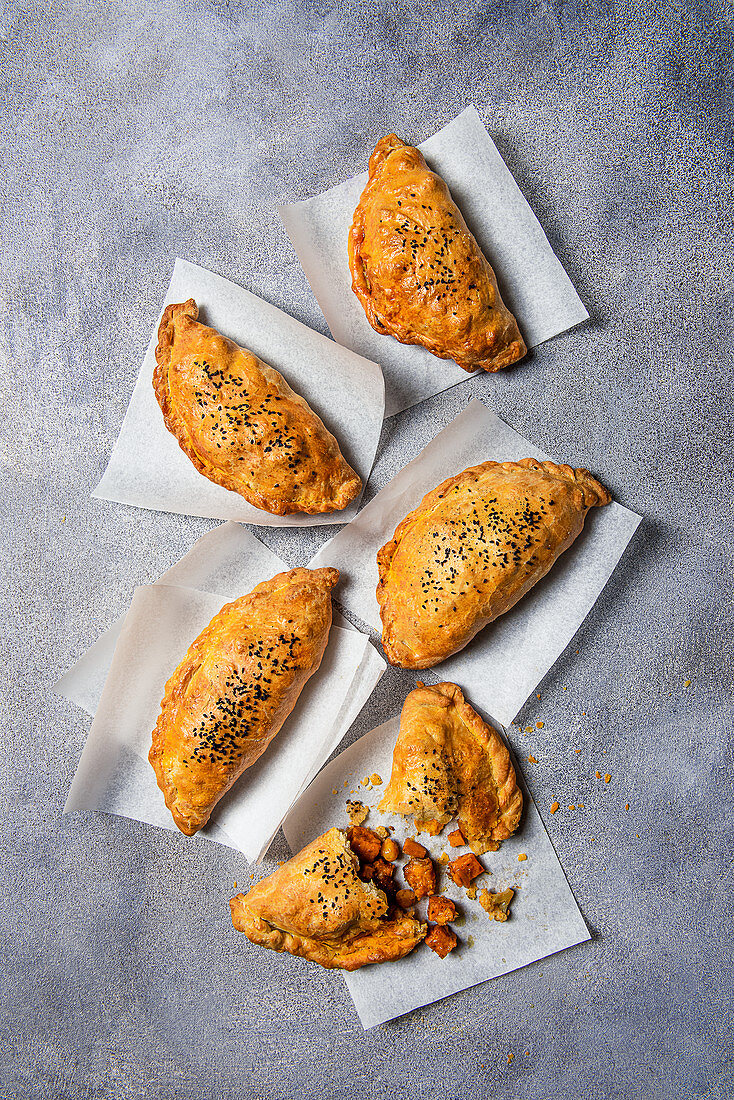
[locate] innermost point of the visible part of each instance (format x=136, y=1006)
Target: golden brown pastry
x=448, y=764
x=418, y=271
x=242, y=425
x=235, y=687
x=471, y=549
x=316, y=906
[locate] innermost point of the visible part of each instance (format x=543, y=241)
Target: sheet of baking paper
x=544, y=915
x=501, y=667
x=114, y=774
x=532, y=281
x=229, y=561
x=148, y=468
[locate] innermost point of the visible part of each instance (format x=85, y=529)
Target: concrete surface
x=134, y=132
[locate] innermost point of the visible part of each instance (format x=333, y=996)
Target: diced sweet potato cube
x=413, y=849
x=390, y=850
x=457, y=839
x=364, y=842
x=441, y=910
x=382, y=875
x=441, y=940
x=420, y=875
x=465, y=869
x=405, y=898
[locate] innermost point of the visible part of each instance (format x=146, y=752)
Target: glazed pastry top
x=242, y=425
x=418, y=271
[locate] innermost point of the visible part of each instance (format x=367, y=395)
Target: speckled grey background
x=134, y=132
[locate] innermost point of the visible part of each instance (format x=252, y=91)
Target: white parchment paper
x=532, y=281
x=504, y=663
x=544, y=915
x=227, y=561
x=148, y=468
x=114, y=774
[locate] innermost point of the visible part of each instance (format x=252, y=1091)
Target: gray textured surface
x=133, y=132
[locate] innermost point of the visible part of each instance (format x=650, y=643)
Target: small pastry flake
x=471, y=549
x=316, y=906
x=234, y=689
x=449, y=764
x=242, y=425
x=418, y=271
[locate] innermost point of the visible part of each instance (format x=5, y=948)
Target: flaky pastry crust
x=449, y=764
x=316, y=906
x=234, y=689
x=418, y=271
x=471, y=549
x=242, y=425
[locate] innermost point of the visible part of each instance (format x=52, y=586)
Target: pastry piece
x=242, y=425
x=316, y=906
x=234, y=689
x=417, y=270
x=471, y=549
x=497, y=905
x=447, y=764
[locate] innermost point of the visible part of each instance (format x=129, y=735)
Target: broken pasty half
x=234, y=689
x=242, y=425
x=449, y=764
x=418, y=271
x=316, y=906
x=471, y=549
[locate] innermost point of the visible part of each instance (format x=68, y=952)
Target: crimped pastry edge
x=189, y=311
x=594, y=494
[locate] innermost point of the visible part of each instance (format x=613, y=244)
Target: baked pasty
x=242, y=425
x=235, y=687
x=316, y=906
x=448, y=764
x=418, y=271
x=471, y=549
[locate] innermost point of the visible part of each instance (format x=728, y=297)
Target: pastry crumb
x=607, y=778
x=335, y=791
x=572, y=806
x=539, y=725
x=532, y=760
x=538, y=694
x=686, y=684
x=497, y=906
x=577, y=751
x=626, y=805
x=598, y=775
x=357, y=812
x=509, y=1058
x=528, y=729
x=365, y=781
x=443, y=858
x=521, y=858
x=376, y=780
x=554, y=806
